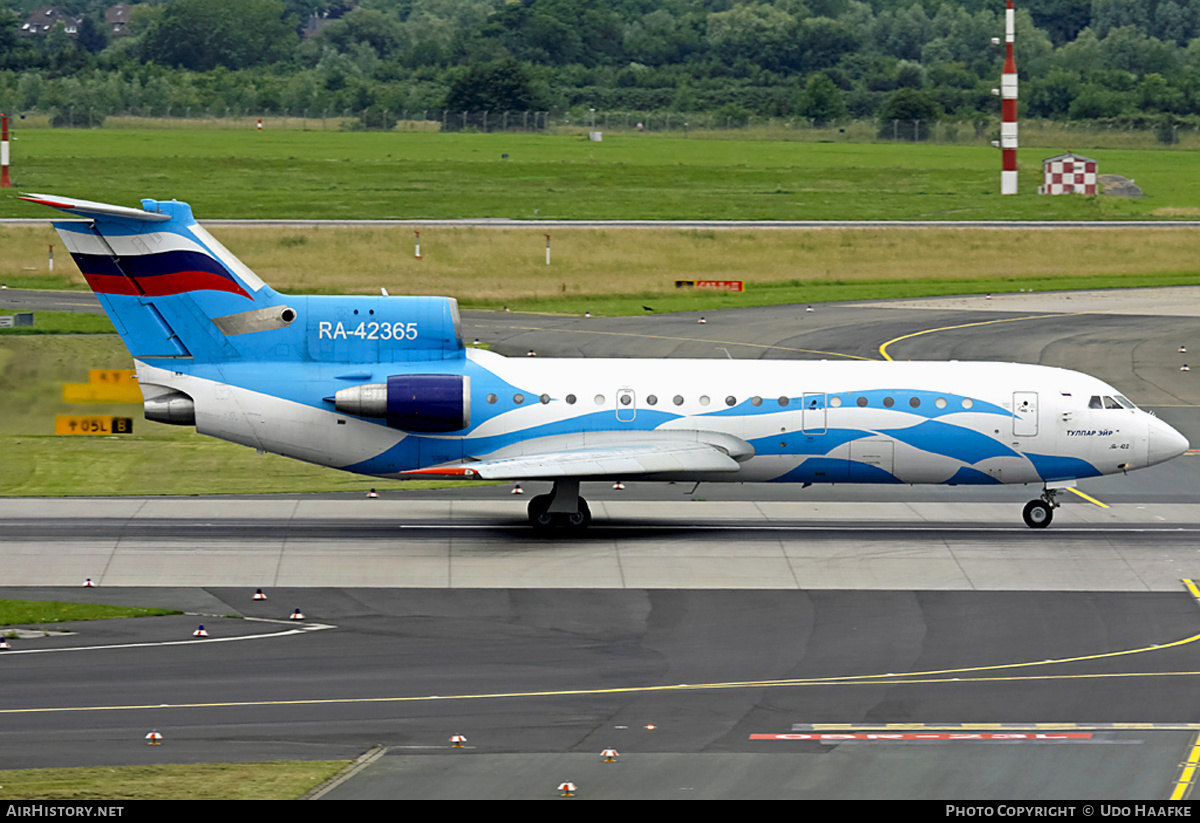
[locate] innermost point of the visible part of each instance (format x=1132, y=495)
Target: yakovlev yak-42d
x=383, y=386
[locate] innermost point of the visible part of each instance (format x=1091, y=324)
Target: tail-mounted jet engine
x=174, y=408
x=412, y=402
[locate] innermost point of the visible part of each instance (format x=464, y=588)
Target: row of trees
x=819, y=59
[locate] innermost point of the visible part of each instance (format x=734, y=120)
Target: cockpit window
x=1106, y=402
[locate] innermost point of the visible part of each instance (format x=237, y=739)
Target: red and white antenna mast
x=1008, y=108
x=4, y=181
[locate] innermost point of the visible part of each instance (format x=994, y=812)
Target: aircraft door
x=1025, y=413
x=812, y=419
x=626, y=406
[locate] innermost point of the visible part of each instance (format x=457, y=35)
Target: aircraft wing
x=608, y=454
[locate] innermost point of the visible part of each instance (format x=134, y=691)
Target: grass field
x=29, y=612
x=609, y=271
x=285, y=780
x=319, y=174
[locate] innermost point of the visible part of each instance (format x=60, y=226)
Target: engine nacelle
x=174, y=408
x=424, y=403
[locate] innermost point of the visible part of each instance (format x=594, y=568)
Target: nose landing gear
x=1038, y=513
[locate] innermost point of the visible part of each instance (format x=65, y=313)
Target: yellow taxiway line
x=961, y=675
x=1087, y=497
x=883, y=348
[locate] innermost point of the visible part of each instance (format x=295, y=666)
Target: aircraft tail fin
x=160, y=276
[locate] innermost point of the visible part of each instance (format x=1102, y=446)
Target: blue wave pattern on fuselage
x=927, y=403
x=966, y=476
x=957, y=442
x=801, y=443
x=836, y=470
x=293, y=381
x=1051, y=467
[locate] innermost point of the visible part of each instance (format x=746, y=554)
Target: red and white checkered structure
x=1008, y=107
x=1068, y=173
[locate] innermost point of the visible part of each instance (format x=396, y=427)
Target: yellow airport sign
x=92, y=424
x=105, y=386
x=112, y=376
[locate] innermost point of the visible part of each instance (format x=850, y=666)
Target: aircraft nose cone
x=1164, y=443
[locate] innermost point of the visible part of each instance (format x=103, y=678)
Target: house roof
x=45, y=18
x=1068, y=156
x=117, y=15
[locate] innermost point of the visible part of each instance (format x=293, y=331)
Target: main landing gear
x=563, y=508
x=1038, y=513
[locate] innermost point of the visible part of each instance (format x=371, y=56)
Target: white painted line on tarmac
x=195, y=641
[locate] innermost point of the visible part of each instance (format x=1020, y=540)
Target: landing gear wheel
x=580, y=518
x=541, y=518
x=539, y=512
x=1038, y=514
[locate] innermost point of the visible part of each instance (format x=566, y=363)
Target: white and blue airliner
x=383, y=386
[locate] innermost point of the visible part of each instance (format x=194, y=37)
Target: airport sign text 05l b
x=92, y=424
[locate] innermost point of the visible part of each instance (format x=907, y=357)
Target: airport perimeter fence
x=1093, y=134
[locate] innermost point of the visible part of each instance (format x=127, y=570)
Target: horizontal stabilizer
x=89, y=209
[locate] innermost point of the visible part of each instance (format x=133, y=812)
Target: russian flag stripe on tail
x=159, y=275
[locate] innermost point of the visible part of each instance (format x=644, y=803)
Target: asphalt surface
x=849, y=643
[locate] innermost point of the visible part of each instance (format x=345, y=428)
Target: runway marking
x=950, y=727
x=886, y=356
x=690, y=340
x=1086, y=497
x=195, y=641
x=946, y=676
x=941, y=737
